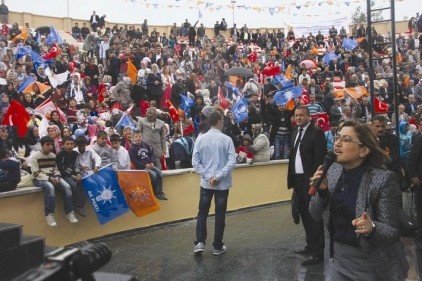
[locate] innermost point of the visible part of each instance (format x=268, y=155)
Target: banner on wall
x=323, y=25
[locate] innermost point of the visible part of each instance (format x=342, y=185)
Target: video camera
x=72, y=263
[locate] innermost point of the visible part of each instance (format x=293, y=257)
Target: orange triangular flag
x=137, y=189
x=288, y=73
x=290, y=105
x=23, y=35
x=132, y=72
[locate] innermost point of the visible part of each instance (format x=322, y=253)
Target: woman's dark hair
x=376, y=158
x=30, y=138
x=3, y=152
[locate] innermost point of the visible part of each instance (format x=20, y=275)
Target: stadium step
x=18, y=252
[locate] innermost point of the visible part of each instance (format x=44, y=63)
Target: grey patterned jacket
x=379, y=196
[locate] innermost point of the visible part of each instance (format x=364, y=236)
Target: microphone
x=328, y=161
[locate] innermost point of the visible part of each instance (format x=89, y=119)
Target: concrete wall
x=254, y=185
x=67, y=24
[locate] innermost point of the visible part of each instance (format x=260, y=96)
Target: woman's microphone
x=328, y=161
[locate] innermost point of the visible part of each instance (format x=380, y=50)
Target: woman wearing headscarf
x=55, y=133
x=4, y=104
x=11, y=91
x=33, y=138
x=359, y=201
x=260, y=147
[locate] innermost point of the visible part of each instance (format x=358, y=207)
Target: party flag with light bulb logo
x=104, y=194
x=137, y=189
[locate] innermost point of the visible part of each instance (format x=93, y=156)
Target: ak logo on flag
x=105, y=195
x=137, y=189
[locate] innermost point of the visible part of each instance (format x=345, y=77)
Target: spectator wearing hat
x=243, y=154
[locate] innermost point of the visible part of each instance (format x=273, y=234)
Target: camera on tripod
x=76, y=262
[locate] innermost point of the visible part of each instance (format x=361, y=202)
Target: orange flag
x=288, y=73
x=23, y=35
x=132, y=72
x=137, y=189
x=357, y=92
x=290, y=105
x=339, y=93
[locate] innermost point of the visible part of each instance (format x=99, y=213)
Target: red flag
x=46, y=107
x=321, y=119
x=224, y=103
x=304, y=100
x=271, y=70
x=143, y=107
x=53, y=53
x=173, y=111
x=380, y=107
x=189, y=130
x=16, y=115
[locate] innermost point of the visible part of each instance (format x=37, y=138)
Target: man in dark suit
x=93, y=20
x=309, y=147
x=411, y=105
x=414, y=170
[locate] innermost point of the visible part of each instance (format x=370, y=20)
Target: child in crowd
x=46, y=175
x=69, y=171
x=142, y=157
x=10, y=173
x=243, y=155
x=88, y=161
x=123, y=159
x=107, y=154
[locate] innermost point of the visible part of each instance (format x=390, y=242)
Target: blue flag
x=283, y=81
x=349, y=44
x=125, y=121
x=105, y=195
x=186, y=104
x=329, y=57
x=284, y=96
x=25, y=83
x=233, y=89
x=22, y=51
x=240, y=110
x=54, y=36
x=38, y=38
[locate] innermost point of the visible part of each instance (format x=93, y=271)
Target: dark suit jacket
x=313, y=148
x=91, y=19
x=415, y=158
x=408, y=108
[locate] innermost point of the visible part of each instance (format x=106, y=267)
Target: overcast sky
x=135, y=11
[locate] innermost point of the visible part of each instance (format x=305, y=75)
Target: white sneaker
x=71, y=217
x=199, y=248
x=51, y=221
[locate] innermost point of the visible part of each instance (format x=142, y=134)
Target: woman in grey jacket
x=359, y=202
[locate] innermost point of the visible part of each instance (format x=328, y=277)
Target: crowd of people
x=138, y=99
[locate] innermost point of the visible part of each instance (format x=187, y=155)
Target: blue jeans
x=156, y=179
x=281, y=147
x=220, y=201
x=50, y=196
x=78, y=194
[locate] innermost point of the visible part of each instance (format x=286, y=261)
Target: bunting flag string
x=295, y=8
